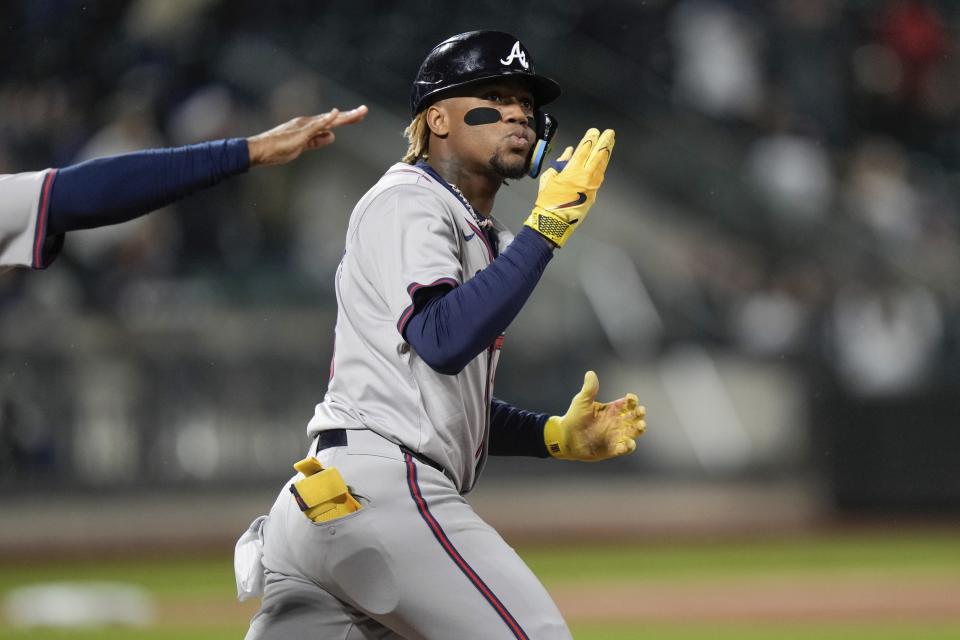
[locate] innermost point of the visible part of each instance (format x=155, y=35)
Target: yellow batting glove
x=593, y=430
x=566, y=196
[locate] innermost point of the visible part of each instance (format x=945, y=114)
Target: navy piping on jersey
x=484, y=238
x=412, y=171
x=40, y=232
x=412, y=288
x=454, y=555
x=440, y=179
x=487, y=397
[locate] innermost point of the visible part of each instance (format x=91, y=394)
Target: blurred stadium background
x=772, y=268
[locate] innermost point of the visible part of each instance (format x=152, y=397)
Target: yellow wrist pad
x=553, y=437
x=551, y=226
x=322, y=495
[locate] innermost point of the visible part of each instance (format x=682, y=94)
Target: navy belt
x=331, y=438
x=338, y=438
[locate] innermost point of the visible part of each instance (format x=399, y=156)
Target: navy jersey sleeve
x=451, y=326
x=118, y=188
x=516, y=432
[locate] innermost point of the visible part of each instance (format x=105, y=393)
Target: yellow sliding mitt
x=322, y=494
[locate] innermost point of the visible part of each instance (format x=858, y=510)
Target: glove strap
x=549, y=225
x=553, y=437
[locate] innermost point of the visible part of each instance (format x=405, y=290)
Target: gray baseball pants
x=415, y=562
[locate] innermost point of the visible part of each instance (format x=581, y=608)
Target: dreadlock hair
x=418, y=134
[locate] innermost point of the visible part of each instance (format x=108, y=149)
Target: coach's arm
x=115, y=189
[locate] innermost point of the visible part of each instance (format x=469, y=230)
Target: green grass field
x=643, y=586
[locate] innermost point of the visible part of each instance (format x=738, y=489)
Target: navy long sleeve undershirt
x=451, y=326
x=516, y=432
x=118, y=188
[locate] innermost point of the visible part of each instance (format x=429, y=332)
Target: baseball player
x=37, y=208
x=372, y=538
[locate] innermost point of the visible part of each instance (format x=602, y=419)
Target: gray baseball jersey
x=406, y=233
x=415, y=561
x=24, y=198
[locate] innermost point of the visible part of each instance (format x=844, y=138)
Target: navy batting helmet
x=474, y=56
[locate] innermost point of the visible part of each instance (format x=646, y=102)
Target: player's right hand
x=566, y=196
x=287, y=141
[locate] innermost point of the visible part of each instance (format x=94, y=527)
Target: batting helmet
x=474, y=56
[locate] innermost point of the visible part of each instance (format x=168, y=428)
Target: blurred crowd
x=839, y=199
x=809, y=149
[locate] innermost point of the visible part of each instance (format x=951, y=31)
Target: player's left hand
x=593, y=430
x=287, y=141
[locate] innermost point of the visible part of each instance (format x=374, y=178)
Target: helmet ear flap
x=546, y=126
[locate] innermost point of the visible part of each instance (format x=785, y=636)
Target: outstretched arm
x=115, y=189
x=286, y=142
